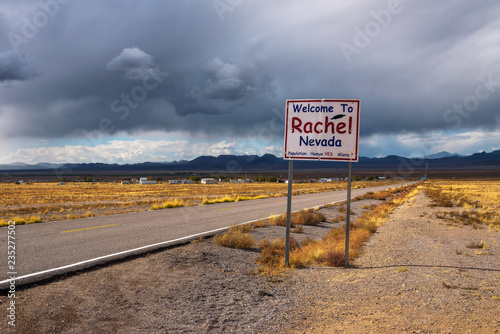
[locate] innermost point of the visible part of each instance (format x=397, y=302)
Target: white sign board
x=322, y=130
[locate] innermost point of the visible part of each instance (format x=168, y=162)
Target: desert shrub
x=339, y=219
x=22, y=220
x=298, y=229
x=335, y=234
x=438, y=197
x=246, y=198
x=381, y=195
x=260, y=223
x=370, y=226
x=243, y=228
x=224, y=199
x=320, y=217
x=330, y=250
x=471, y=218
x=305, y=217
x=235, y=239
x=167, y=205
x=278, y=220
x=273, y=252
x=476, y=245
x=318, y=255
x=343, y=209
x=335, y=258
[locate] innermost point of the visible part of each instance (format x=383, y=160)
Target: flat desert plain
x=432, y=266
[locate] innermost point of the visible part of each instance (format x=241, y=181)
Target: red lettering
x=296, y=123
x=320, y=127
x=340, y=127
x=316, y=127
x=308, y=127
x=330, y=125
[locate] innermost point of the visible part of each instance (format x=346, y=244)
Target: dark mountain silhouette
x=443, y=154
x=269, y=162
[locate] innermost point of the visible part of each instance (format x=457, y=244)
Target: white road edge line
x=141, y=248
x=111, y=255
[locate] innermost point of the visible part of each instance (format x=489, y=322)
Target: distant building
x=175, y=181
x=125, y=182
x=144, y=180
x=208, y=180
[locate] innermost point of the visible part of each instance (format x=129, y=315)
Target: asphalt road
x=49, y=249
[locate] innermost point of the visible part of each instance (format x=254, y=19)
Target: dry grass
x=22, y=220
x=438, y=197
x=479, y=198
x=225, y=199
x=343, y=209
x=330, y=250
x=273, y=252
x=279, y=220
x=308, y=217
x=50, y=201
x=243, y=228
x=260, y=223
x=304, y=217
x=475, y=219
x=236, y=237
x=167, y=205
x=247, y=198
x=380, y=195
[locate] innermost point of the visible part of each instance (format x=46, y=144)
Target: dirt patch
x=416, y=275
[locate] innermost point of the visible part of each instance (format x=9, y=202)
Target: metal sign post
x=288, y=211
x=321, y=130
x=347, y=223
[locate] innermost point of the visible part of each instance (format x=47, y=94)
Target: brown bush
x=308, y=218
x=343, y=209
x=335, y=258
x=235, y=239
x=243, y=228
x=278, y=220
x=273, y=252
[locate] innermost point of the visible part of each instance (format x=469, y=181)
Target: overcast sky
x=161, y=80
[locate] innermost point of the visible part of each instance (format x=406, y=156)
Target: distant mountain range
x=443, y=154
x=269, y=162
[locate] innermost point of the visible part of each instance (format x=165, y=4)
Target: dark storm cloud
x=14, y=67
x=175, y=66
x=134, y=62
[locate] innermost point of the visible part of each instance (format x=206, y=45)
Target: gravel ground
x=416, y=275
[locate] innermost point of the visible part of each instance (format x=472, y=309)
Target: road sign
x=325, y=129
x=321, y=130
